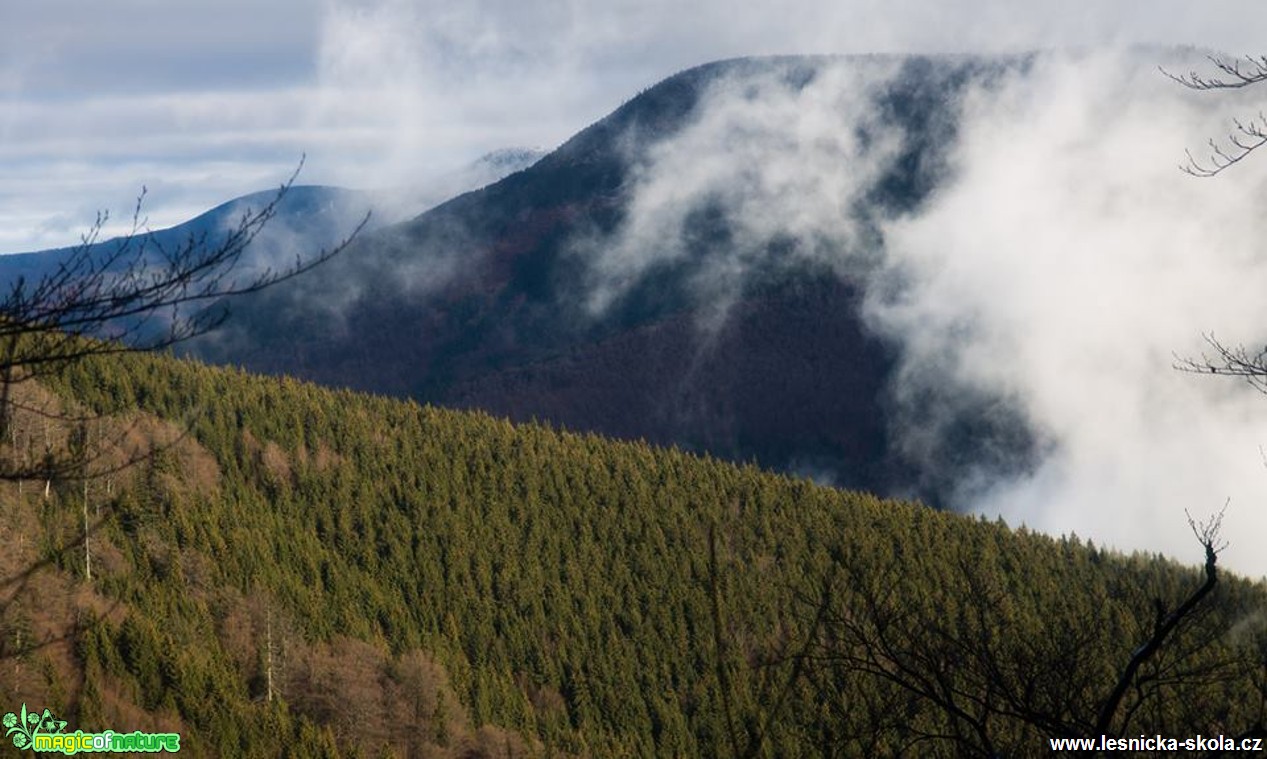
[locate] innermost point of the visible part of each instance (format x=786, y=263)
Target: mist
x=1061, y=266
x=782, y=163
x=1066, y=266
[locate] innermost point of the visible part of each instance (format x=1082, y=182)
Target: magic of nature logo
x=44, y=732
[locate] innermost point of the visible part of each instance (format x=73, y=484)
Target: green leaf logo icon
x=22, y=728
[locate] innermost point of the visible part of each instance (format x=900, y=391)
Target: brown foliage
x=370, y=698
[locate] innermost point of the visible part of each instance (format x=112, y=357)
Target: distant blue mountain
x=312, y=214
x=308, y=218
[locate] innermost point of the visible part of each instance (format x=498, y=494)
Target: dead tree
x=913, y=678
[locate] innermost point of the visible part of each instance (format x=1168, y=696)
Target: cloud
x=742, y=163
x=1053, y=273
x=71, y=49
x=1064, y=267
x=437, y=84
x=381, y=91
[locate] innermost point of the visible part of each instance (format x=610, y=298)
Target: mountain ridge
x=480, y=302
x=487, y=299
x=317, y=216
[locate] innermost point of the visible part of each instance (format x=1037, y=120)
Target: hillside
x=313, y=572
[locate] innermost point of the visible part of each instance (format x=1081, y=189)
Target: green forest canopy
x=318, y=572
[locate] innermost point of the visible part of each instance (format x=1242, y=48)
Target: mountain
x=403, y=203
x=513, y=299
x=268, y=567
x=308, y=217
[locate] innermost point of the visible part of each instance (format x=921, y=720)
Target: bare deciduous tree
x=133, y=293
x=966, y=682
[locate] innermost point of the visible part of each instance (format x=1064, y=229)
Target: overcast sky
x=202, y=101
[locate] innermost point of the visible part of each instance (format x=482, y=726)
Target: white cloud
x=439, y=83
x=780, y=161
x=1065, y=266
x=373, y=90
x=1060, y=264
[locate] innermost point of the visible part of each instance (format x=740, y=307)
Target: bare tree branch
x=1246, y=136
x=972, y=687
x=135, y=293
x=139, y=292
x=1229, y=361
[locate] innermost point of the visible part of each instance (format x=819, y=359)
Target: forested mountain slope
x=313, y=572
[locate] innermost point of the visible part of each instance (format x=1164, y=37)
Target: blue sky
x=202, y=101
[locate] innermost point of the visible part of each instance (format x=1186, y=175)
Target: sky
x=201, y=101
x=1062, y=265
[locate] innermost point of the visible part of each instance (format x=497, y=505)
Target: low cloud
x=1064, y=267
x=220, y=98
x=780, y=168
x=1056, y=269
